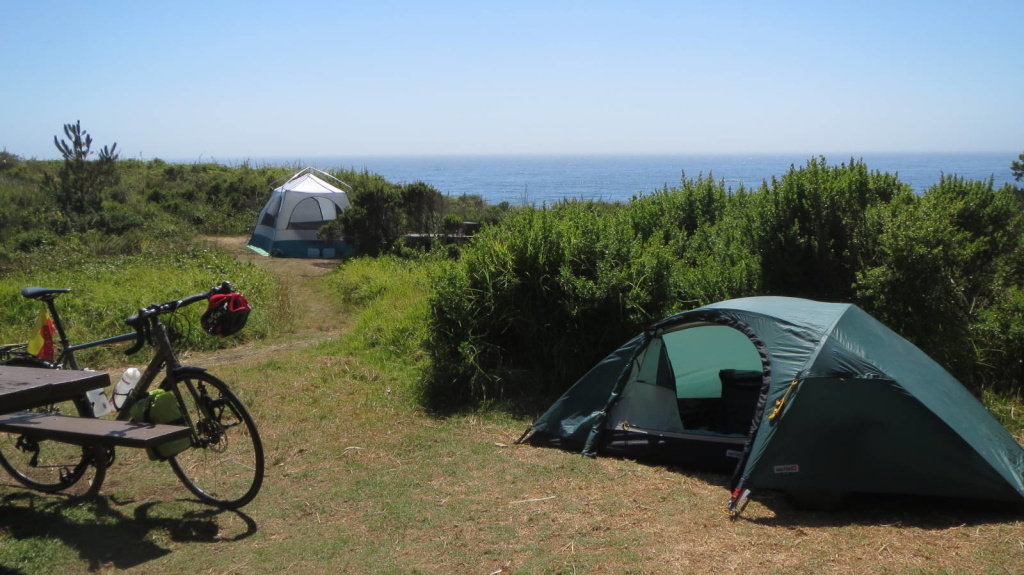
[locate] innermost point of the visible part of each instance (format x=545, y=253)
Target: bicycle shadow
x=105, y=537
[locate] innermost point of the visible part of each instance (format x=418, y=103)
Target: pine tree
x=79, y=186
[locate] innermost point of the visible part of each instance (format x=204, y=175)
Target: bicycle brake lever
x=140, y=334
x=139, y=342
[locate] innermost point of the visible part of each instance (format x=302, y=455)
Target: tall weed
x=388, y=296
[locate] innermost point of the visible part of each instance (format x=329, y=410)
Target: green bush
x=31, y=240
x=8, y=160
x=535, y=301
x=807, y=227
x=24, y=209
x=939, y=265
x=373, y=222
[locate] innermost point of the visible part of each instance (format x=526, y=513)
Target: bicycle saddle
x=43, y=294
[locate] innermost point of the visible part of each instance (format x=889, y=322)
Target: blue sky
x=233, y=79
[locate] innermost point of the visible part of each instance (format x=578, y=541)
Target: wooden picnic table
x=28, y=387
x=22, y=388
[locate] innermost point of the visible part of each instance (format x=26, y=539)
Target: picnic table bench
x=23, y=388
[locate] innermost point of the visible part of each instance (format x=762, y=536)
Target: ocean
x=529, y=179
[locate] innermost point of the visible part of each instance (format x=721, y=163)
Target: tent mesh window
x=312, y=214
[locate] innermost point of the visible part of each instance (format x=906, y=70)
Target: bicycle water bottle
x=129, y=379
x=100, y=405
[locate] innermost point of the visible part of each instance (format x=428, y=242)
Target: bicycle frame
x=164, y=359
x=223, y=465
x=164, y=362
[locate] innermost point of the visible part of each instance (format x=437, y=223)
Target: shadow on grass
x=820, y=509
x=104, y=536
x=827, y=510
x=928, y=513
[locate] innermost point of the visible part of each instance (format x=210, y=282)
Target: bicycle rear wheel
x=224, y=466
x=51, y=466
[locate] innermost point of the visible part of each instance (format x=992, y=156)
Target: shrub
x=373, y=222
x=534, y=302
x=8, y=160
x=31, y=240
x=807, y=227
x=937, y=268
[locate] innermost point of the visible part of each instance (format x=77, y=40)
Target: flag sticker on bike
x=787, y=469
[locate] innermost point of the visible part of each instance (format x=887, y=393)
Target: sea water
x=537, y=179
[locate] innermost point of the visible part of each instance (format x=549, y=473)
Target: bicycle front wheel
x=47, y=465
x=224, y=466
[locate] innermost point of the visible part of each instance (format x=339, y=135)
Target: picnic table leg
x=99, y=464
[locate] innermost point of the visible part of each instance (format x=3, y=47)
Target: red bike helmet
x=226, y=314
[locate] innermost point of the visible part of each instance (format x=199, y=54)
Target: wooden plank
x=25, y=387
x=87, y=431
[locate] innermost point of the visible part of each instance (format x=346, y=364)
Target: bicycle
x=224, y=464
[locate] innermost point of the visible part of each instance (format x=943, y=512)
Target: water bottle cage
x=120, y=400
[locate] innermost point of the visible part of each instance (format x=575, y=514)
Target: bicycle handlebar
x=138, y=320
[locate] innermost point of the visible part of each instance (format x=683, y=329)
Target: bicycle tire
x=47, y=465
x=224, y=467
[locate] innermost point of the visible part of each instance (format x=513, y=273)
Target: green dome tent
x=803, y=396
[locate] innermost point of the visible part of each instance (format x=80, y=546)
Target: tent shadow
x=928, y=513
x=103, y=536
x=921, y=512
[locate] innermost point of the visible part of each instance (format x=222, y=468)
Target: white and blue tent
x=287, y=225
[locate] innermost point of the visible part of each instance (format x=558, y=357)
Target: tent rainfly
x=287, y=225
x=800, y=396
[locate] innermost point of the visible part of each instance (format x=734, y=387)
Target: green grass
x=362, y=480
x=105, y=291
x=388, y=297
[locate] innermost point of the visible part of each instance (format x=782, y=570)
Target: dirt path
x=310, y=318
